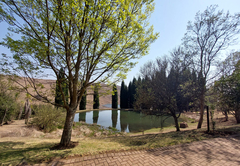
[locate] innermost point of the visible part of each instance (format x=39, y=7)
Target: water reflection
x=128, y=121
x=114, y=118
x=95, y=116
x=82, y=117
x=124, y=117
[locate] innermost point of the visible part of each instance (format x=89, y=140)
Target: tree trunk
x=67, y=131
x=176, y=123
x=20, y=113
x=202, y=103
x=226, y=115
x=5, y=113
x=237, y=116
x=27, y=111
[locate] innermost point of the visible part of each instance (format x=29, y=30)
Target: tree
x=124, y=96
x=227, y=87
x=211, y=32
x=83, y=102
x=115, y=97
x=96, y=98
x=61, y=83
x=129, y=94
x=121, y=94
x=133, y=93
x=91, y=40
x=161, y=92
x=8, y=103
x=27, y=111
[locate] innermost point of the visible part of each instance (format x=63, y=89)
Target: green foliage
x=115, y=97
x=8, y=104
x=91, y=40
x=162, y=92
x=61, y=88
x=96, y=98
x=124, y=97
x=83, y=102
x=132, y=93
x=7, y=101
x=48, y=118
x=228, y=86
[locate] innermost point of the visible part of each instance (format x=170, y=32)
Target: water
x=127, y=121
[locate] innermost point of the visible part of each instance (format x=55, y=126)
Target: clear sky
x=170, y=19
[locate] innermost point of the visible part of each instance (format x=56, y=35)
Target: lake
x=125, y=121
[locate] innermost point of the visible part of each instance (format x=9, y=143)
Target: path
x=217, y=151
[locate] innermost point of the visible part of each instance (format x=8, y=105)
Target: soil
x=59, y=147
x=219, y=118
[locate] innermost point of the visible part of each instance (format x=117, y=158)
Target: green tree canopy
x=91, y=39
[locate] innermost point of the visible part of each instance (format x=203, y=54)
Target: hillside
x=47, y=87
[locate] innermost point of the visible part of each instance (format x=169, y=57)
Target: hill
x=47, y=87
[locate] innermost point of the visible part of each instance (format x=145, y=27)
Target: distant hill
x=49, y=88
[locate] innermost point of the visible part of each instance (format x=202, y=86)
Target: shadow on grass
x=16, y=152
x=150, y=141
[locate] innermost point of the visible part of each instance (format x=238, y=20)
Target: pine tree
x=125, y=92
x=96, y=98
x=83, y=102
x=129, y=95
x=134, y=87
x=122, y=95
x=115, y=97
x=60, y=82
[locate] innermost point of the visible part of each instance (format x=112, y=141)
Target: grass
x=35, y=150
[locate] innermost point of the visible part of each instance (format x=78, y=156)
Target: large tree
x=211, y=32
x=91, y=39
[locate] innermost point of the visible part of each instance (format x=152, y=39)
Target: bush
x=48, y=118
x=7, y=103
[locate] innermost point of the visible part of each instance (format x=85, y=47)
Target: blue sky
x=170, y=19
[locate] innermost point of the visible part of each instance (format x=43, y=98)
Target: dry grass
x=19, y=148
x=35, y=150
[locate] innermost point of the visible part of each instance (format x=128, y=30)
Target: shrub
x=48, y=118
x=8, y=105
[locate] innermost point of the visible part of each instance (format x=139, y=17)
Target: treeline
x=183, y=81
x=127, y=93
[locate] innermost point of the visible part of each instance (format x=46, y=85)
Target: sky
x=170, y=19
